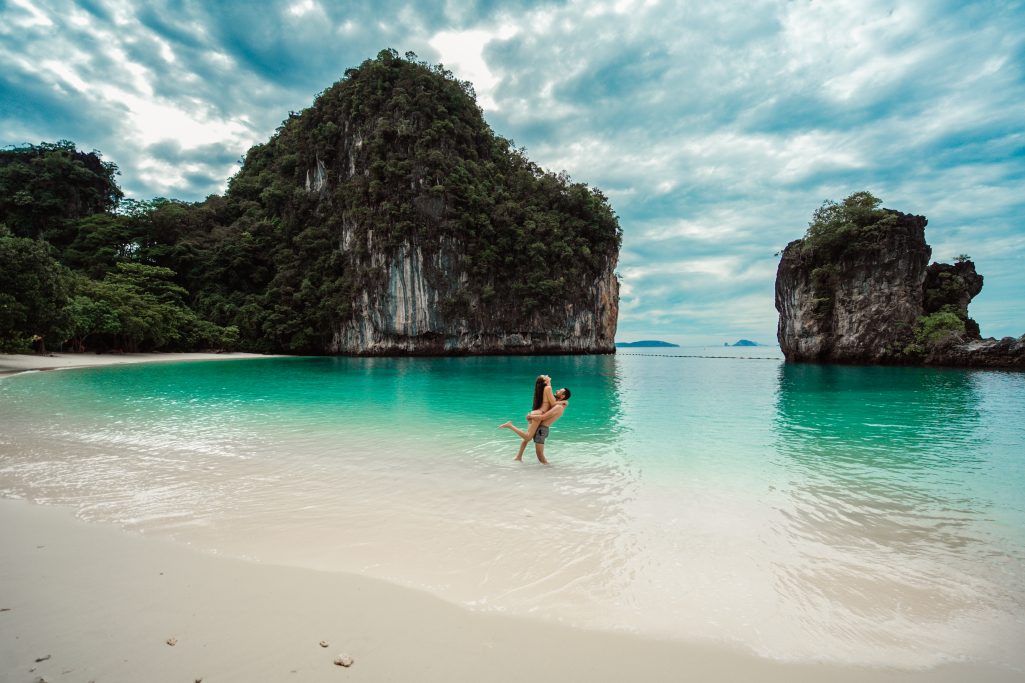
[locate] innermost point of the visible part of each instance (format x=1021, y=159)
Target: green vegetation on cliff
x=855, y=224
x=396, y=155
x=46, y=188
x=933, y=328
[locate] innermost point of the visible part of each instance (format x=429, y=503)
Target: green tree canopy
x=33, y=290
x=854, y=223
x=44, y=188
x=139, y=307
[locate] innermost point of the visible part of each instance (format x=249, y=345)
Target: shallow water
x=851, y=514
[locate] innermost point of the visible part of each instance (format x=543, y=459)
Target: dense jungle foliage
x=79, y=265
x=396, y=153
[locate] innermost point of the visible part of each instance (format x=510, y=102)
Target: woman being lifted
x=544, y=402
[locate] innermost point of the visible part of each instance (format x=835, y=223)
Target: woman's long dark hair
x=539, y=392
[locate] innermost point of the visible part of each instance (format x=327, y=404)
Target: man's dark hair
x=566, y=389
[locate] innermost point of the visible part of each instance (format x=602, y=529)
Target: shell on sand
x=344, y=660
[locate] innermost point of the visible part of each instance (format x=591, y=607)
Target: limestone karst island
x=388, y=218
x=858, y=288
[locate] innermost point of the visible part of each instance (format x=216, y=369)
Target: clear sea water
x=863, y=515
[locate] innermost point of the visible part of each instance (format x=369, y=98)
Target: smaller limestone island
x=744, y=342
x=646, y=343
x=857, y=289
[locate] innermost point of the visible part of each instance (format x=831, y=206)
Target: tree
x=33, y=289
x=86, y=316
x=44, y=188
x=101, y=241
x=852, y=223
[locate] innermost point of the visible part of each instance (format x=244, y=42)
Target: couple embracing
x=548, y=407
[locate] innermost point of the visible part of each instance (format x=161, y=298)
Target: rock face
x=871, y=304
x=859, y=309
x=388, y=218
x=960, y=351
x=952, y=287
x=405, y=317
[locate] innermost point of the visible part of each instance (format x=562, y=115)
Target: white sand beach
x=23, y=362
x=90, y=601
x=97, y=604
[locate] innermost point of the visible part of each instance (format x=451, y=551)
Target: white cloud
x=301, y=8
x=463, y=53
x=30, y=16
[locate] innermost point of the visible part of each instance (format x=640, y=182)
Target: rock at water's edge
x=956, y=351
x=867, y=305
x=872, y=304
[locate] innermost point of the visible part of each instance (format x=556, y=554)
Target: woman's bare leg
x=533, y=422
x=509, y=425
x=527, y=436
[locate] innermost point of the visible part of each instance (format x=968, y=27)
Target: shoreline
x=103, y=603
x=16, y=363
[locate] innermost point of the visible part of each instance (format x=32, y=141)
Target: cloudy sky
x=715, y=128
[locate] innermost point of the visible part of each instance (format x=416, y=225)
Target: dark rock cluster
x=872, y=304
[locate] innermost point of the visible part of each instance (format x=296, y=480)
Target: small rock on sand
x=344, y=660
x=172, y=641
x=42, y=659
x=323, y=643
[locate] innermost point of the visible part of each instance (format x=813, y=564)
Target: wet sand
x=102, y=604
x=23, y=362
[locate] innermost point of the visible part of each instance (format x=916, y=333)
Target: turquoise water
x=866, y=515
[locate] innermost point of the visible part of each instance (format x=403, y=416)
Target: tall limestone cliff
x=388, y=218
x=857, y=289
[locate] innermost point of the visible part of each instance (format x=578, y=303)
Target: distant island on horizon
x=645, y=343
x=743, y=342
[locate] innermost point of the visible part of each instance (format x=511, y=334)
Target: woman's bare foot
x=506, y=425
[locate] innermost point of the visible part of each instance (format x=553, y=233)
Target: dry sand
x=12, y=363
x=102, y=604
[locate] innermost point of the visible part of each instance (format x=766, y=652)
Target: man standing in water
x=547, y=419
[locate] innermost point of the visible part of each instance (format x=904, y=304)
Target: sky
x=715, y=128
